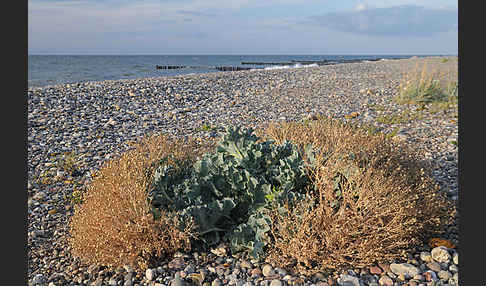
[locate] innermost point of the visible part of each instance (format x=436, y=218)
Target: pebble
x=317, y=276
x=453, y=268
x=455, y=258
x=375, y=270
x=348, y=280
x=96, y=119
x=276, y=282
x=434, y=266
x=406, y=269
x=177, y=282
x=38, y=279
x=246, y=264
x=455, y=278
x=150, y=274
x=268, y=270
x=385, y=281
x=426, y=256
x=430, y=275
x=418, y=277
x=256, y=272
x=440, y=254
x=444, y=275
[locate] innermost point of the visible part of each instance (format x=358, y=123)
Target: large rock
x=408, y=270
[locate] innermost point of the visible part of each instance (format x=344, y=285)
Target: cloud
x=399, y=21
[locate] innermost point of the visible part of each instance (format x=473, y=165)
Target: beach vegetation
x=311, y=197
x=402, y=117
x=424, y=88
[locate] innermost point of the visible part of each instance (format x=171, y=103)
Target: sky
x=199, y=27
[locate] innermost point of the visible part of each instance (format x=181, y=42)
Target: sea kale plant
x=230, y=192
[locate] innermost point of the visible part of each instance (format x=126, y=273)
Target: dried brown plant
x=389, y=202
x=113, y=226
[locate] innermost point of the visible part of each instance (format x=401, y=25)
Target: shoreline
x=94, y=120
x=215, y=71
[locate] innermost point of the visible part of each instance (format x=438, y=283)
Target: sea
x=45, y=70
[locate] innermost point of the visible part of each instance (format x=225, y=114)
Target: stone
x=39, y=196
x=440, y=254
x=256, y=272
x=177, y=282
x=384, y=266
x=287, y=277
x=375, y=270
x=216, y=282
x=400, y=136
x=268, y=270
x=434, y=266
x=150, y=274
x=245, y=264
x=348, y=280
x=430, y=275
x=276, y=282
x=444, y=274
x=418, y=277
x=281, y=271
x=385, y=281
x=189, y=269
x=318, y=277
x=455, y=278
x=38, y=279
x=351, y=115
x=197, y=278
x=425, y=256
x=38, y=233
x=455, y=258
x=311, y=116
x=453, y=268
x=404, y=268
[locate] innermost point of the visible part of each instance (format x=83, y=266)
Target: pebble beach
x=82, y=125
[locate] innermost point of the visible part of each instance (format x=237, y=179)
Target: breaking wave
x=293, y=66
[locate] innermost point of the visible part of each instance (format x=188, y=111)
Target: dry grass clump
x=387, y=201
x=373, y=199
x=113, y=225
x=425, y=87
